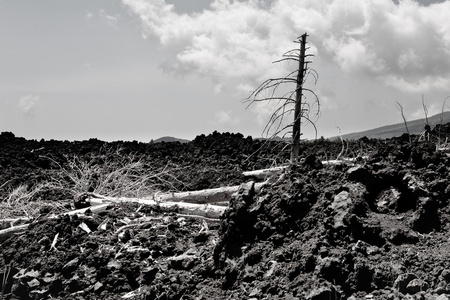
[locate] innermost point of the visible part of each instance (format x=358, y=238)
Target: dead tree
x=289, y=93
x=427, y=127
x=400, y=108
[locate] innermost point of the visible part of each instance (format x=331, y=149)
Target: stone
x=362, y=175
x=330, y=268
x=415, y=185
x=350, y=201
x=247, y=191
x=74, y=284
x=323, y=293
x=48, y=278
x=365, y=248
x=249, y=275
x=446, y=274
x=184, y=261
x=442, y=297
x=114, y=265
x=402, y=281
x=98, y=287
x=426, y=217
x=273, y=265
x=34, y=283
x=398, y=236
x=441, y=288
x=149, y=274
x=255, y=292
x=341, y=205
x=415, y=286
x=387, y=200
x=361, y=247
x=437, y=271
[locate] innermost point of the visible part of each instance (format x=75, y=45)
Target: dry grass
x=23, y=201
x=5, y=277
x=113, y=174
x=110, y=172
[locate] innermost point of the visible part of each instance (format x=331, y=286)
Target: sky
x=142, y=69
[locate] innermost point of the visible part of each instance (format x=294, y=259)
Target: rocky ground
x=374, y=228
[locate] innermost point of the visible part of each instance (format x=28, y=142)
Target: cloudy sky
x=142, y=69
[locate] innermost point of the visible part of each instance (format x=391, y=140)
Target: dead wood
x=204, y=210
x=14, y=229
x=265, y=173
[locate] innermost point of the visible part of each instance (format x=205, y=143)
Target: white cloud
x=27, y=104
x=225, y=118
x=230, y=40
x=109, y=19
x=432, y=109
x=240, y=39
x=421, y=85
x=396, y=50
x=408, y=59
x=218, y=88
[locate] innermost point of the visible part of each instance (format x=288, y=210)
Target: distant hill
x=415, y=127
x=169, y=139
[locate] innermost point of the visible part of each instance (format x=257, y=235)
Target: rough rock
x=416, y=285
x=402, y=282
x=374, y=228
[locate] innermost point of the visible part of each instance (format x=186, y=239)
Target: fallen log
x=194, y=203
x=341, y=161
x=203, y=210
x=215, y=195
x=14, y=229
x=99, y=204
x=265, y=173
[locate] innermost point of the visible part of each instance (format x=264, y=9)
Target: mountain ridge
x=389, y=131
x=170, y=139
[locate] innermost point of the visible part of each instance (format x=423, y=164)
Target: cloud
x=228, y=40
x=225, y=118
x=102, y=15
x=27, y=104
x=109, y=19
x=432, y=109
x=403, y=45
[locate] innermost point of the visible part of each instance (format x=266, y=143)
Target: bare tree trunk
x=296, y=132
x=400, y=108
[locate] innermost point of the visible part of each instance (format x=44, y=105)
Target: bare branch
x=400, y=108
x=425, y=109
x=291, y=102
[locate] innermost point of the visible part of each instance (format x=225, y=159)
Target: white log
x=222, y=194
x=265, y=173
x=80, y=211
x=341, y=161
x=14, y=229
x=195, y=203
x=216, y=195
x=204, y=210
